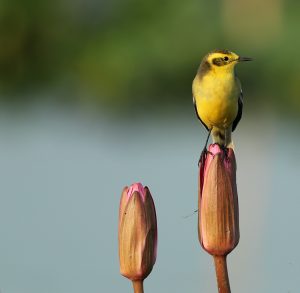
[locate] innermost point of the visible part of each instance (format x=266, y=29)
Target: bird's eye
x=226, y=58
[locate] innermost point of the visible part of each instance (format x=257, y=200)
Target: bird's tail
x=222, y=137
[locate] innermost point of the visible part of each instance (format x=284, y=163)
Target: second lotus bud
x=137, y=232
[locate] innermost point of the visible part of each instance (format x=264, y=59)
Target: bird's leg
x=204, y=151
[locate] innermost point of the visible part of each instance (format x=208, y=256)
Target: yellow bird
x=217, y=95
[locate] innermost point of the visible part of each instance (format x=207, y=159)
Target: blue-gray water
x=61, y=178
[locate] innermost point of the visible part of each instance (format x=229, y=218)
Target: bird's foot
x=225, y=150
x=203, y=156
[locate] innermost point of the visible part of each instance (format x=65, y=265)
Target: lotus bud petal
x=218, y=220
x=137, y=232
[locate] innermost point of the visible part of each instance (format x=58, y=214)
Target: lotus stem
x=222, y=273
x=138, y=286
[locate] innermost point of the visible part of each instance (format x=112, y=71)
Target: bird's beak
x=240, y=59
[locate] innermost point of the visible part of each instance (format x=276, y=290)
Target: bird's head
x=221, y=60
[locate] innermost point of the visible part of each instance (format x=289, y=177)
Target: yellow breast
x=216, y=99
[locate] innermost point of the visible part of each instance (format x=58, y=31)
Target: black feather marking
x=203, y=68
x=240, y=112
x=194, y=102
x=219, y=61
x=222, y=51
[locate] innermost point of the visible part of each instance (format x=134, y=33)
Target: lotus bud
x=218, y=220
x=137, y=232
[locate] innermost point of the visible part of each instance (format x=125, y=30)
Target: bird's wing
x=240, y=112
x=194, y=102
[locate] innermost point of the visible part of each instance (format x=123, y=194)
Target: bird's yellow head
x=220, y=60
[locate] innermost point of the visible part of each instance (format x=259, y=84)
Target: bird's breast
x=217, y=100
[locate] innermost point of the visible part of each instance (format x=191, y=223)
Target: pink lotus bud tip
x=136, y=187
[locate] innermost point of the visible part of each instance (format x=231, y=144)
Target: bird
x=218, y=96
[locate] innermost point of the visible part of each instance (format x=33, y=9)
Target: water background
x=62, y=172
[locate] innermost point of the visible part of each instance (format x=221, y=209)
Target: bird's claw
x=205, y=152
x=203, y=156
x=225, y=150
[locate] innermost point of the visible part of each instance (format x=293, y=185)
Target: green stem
x=222, y=274
x=138, y=286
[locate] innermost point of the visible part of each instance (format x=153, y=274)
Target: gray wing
x=194, y=102
x=240, y=112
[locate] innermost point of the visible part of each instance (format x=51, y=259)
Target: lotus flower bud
x=137, y=232
x=218, y=220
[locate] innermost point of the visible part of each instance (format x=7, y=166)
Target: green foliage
x=131, y=53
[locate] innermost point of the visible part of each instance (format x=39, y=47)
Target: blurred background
x=96, y=95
